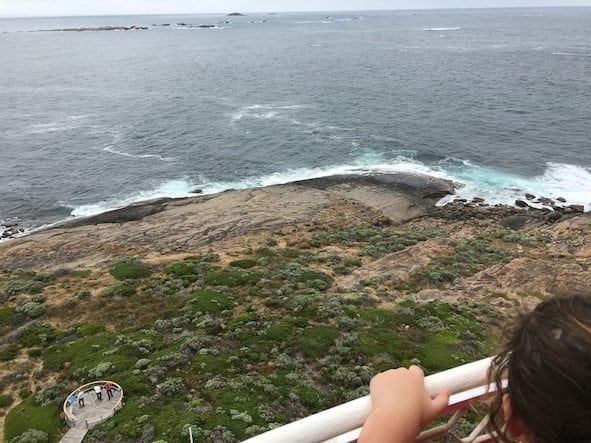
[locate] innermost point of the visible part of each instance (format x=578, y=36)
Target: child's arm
x=400, y=407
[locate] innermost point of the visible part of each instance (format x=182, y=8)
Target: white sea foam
x=495, y=186
x=44, y=128
x=441, y=29
x=171, y=188
x=559, y=180
x=127, y=154
x=267, y=112
x=572, y=54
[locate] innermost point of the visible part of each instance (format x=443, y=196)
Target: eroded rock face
x=534, y=276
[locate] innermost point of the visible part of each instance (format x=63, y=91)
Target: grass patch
x=208, y=301
x=316, y=341
x=232, y=277
x=29, y=415
x=129, y=269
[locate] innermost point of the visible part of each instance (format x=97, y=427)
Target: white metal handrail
x=342, y=423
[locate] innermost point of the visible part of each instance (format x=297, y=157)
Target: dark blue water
x=499, y=100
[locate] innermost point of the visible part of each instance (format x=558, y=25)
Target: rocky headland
x=291, y=295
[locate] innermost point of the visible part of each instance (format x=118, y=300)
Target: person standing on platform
x=99, y=392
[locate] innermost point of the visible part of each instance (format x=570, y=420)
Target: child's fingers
x=416, y=371
x=441, y=401
x=437, y=406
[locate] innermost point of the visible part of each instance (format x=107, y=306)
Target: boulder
x=553, y=217
x=521, y=204
x=561, y=199
x=546, y=201
x=516, y=222
x=477, y=200
x=529, y=196
x=577, y=208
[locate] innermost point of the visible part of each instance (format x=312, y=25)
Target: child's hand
x=401, y=406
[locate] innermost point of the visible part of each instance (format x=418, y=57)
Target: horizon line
x=245, y=13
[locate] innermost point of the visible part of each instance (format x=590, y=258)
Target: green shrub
x=35, y=352
x=31, y=436
x=181, y=269
x=172, y=386
x=509, y=236
x=5, y=400
x=316, y=341
x=100, y=370
x=8, y=352
x=208, y=301
x=232, y=277
x=6, y=314
x=22, y=286
x=24, y=393
x=44, y=276
x=281, y=331
x=129, y=269
x=118, y=291
x=33, y=309
x=82, y=273
x=310, y=278
x=83, y=294
x=36, y=333
x=244, y=263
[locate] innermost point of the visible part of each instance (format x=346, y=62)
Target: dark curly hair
x=547, y=360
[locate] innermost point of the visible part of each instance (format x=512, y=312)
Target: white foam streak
x=127, y=154
x=172, y=188
x=267, y=112
x=44, y=128
x=441, y=29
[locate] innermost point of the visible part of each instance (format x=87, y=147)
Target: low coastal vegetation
x=235, y=342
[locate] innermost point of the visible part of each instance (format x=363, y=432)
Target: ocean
x=498, y=100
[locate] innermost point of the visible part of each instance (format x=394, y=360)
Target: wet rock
x=546, y=201
x=197, y=191
x=529, y=196
x=129, y=213
x=477, y=200
x=521, y=204
x=579, y=209
x=516, y=222
x=553, y=217
x=561, y=199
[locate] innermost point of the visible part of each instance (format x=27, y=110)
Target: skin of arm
x=401, y=406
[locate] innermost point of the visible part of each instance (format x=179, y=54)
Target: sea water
x=498, y=100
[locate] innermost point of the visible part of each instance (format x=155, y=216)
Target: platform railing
x=342, y=424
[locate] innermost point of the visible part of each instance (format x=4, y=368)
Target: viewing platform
x=89, y=405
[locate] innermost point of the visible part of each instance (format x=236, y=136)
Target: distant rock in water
x=235, y=14
x=100, y=28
